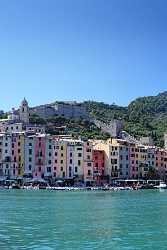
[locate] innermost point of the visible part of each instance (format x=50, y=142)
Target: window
x=70, y=154
x=62, y=155
x=61, y=147
x=30, y=144
x=50, y=146
x=49, y=169
x=76, y=169
x=88, y=150
x=79, y=155
x=70, y=161
x=50, y=154
x=89, y=172
x=61, y=161
x=56, y=161
x=30, y=151
x=55, y=153
x=49, y=162
x=79, y=163
x=29, y=167
x=113, y=161
x=6, y=144
x=61, y=168
x=89, y=164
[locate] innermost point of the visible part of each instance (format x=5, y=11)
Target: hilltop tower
x=24, y=112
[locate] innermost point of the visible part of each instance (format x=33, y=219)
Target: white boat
x=162, y=185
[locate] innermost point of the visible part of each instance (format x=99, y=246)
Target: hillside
x=76, y=127
x=144, y=116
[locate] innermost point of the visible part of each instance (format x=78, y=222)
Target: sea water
x=46, y=220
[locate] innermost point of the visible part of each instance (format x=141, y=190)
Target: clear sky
x=104, y=50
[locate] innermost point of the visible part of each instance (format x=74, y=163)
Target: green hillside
x=144, y=116
x=58, y=125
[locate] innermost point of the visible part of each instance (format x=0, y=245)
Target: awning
x=59, y=181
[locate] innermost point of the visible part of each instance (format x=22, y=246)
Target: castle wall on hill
x=61, y=109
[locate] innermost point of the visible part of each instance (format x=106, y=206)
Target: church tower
x=24, y=111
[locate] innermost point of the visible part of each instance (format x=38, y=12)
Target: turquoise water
x=46, y=220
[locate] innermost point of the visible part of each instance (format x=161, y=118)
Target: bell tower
x=24, y=111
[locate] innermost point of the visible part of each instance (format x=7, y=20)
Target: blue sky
x=104, y=50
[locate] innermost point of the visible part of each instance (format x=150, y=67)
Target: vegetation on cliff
x=145, y=116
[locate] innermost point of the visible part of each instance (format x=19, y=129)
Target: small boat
x=162, y=185
x=147, y=186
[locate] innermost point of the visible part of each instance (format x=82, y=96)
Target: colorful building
x=98, y=166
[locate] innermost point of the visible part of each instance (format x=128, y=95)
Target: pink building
x=98, y=166
x=161, y=162
x=133, y=156
x=40, y=149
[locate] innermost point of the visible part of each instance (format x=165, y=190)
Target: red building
x=98, y=166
